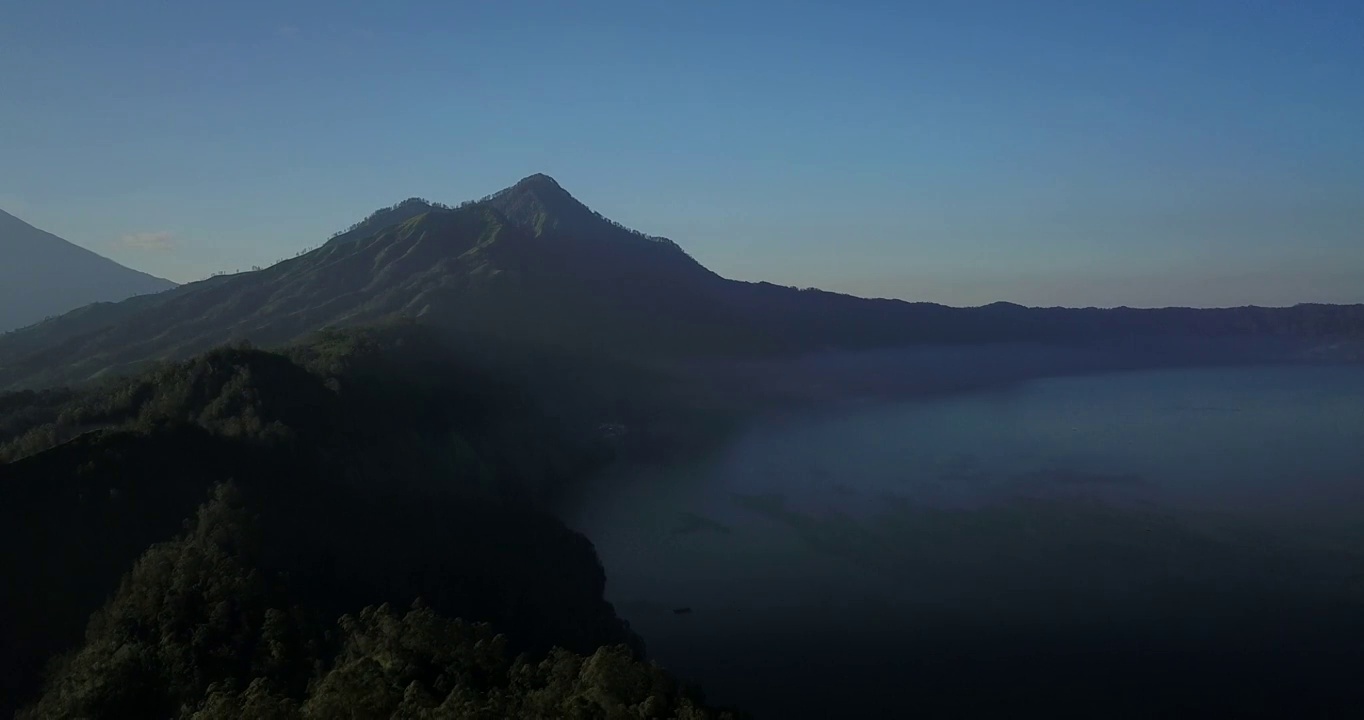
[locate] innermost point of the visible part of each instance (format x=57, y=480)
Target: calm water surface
x=828, y=557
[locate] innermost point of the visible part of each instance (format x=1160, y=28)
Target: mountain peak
x=541, y=189
x=540, y=203
x=538, y=180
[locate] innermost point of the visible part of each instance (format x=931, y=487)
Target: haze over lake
x=1113, y=532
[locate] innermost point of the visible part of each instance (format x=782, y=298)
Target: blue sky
x=1198, y=152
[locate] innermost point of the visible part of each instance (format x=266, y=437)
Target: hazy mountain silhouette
x=532, y=264
x=42, y=275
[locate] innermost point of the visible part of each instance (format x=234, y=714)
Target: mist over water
x=1106, y=543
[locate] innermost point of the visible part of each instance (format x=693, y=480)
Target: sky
x=1196, y=152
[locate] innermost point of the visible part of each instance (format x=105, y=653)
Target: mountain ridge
x=530, y=263
x=45, y=275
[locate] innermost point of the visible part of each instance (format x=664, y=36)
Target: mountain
x=532, y=264
x=43, y=275
x=529, y=263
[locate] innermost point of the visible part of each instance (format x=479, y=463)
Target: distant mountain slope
x=42, y=275
x=532, y=264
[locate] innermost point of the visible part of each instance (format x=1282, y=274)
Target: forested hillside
x=369, y=477
x=205, y=627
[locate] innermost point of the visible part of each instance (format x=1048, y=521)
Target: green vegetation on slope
x=382, y=466
x=198, y=630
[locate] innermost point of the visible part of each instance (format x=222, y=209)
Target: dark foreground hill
x=531, y=264
x=42, y=275
x=357, y=477
x=204, y=627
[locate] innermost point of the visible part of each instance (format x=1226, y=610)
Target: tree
x=196, y=630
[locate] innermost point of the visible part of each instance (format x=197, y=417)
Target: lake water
x=1102, y=539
